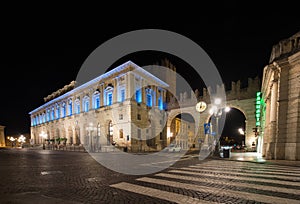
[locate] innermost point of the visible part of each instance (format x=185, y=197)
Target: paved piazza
x=47, y=176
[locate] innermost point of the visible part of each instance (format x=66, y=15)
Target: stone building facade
x=116, y=108
x=183, y=133
x=2, y=136
x=280, y=89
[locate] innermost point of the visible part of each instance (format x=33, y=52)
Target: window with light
x=149, y=100
x=70, y=107
x=96, y=100
x=108, y=96
x=63, y=110
x=48, y=115
x=122, y=95
x=138, y=96
x=57, y=112
x=86, y=104
x=77, y=106
x=52, y=114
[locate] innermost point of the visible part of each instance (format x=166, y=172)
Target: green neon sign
x=258, y=103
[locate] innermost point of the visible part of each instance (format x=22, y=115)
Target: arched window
x=32, y=121
x=52, y=114
x=44, y=117
x=48, y=115
x=122, y=94
x=108, y=95
x=149, y=97
x=96, y=100
x=41, y=119
x=86, y=103
x=63, y=110
x=37, y=120
x=77, y=106
x=70, y=107
x=138, y=95
x=57, y=112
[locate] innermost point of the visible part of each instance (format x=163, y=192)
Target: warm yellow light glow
x=22, y=139
x=12, y=139
x=43, y=134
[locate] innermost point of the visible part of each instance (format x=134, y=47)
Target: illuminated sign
x=258, y=108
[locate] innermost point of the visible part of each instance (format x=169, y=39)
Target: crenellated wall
x=242, y=99
x=285, y=48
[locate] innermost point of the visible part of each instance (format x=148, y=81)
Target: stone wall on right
x=280, y=129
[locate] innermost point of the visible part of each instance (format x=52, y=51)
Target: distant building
x=183, y=132
x=2, y=136
x=280, y=127
x=114, y=108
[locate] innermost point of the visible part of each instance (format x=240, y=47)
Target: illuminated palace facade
x=111, y=109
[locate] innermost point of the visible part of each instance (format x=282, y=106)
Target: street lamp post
x=242, y=132
x=21, y=140
x=12, y=139
x=216, y=111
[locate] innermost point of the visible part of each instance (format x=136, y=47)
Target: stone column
x=91, y=94
x=101, y=95
x=164, y=97
x=127, y=96
x=115, y=91
x=274, y=93
x=266, y=128
x=74, y=135
x=273, y=119
x=153, y=93
x=130, y=90
x=157, y=94
x=73, y=105
x=143, y=92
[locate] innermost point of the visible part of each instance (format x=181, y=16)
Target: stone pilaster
x=115, y=91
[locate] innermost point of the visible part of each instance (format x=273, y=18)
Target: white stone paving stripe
x=238, y=177
x=255, y=170
x=165, y=195
x=288, y=178
x=252, y=165
x=249, y=168
x=222, y=192
x=232, y=183
x=167, y=161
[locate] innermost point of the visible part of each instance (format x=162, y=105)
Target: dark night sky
x=42, y=53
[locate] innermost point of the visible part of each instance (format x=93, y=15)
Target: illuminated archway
x=182, y=131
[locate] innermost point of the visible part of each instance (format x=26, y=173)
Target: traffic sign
x=206, y=128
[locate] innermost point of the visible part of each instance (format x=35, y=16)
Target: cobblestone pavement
x=43, y=176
